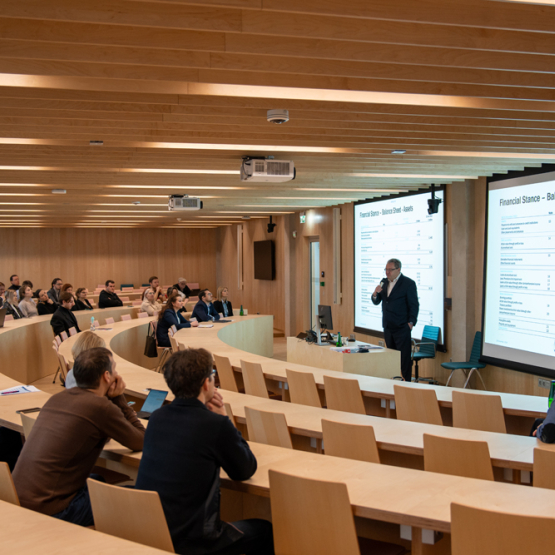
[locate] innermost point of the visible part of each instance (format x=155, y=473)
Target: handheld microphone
x=383, y=283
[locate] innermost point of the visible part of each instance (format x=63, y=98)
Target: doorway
x=314, y=281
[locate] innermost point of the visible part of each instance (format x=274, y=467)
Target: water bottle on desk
x=241, y=312
x=92, y=323
x=339, y=341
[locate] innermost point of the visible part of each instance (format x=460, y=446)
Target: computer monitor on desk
x=324, y=317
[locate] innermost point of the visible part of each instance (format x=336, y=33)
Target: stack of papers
x=206, y=325
x=19, y=389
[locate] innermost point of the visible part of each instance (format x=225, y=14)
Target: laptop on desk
x=154, y=400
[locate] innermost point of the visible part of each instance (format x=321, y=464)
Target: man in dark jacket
x=186, y=444
x=399, y=299
x=55, y=292
x=63, y=319
x=204, y=310
x=107, y=298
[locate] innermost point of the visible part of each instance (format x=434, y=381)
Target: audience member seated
x=68, y=436
x=155, y=286
x=45, y=305
x=204, y=310
x=171, y=316
x=55, y=292
x=186, y=443
x=63, y=319
x=11, y=305
x=2, y=294
x=26, y=283
x=149, y=305
x=182, y=287
x=14, y=283
x=82, y=303
x=85, y=340
x=69, y=288
x=107, y=298
x=27, y=304
x=222, y=305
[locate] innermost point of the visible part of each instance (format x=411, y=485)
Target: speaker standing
x=399, y=299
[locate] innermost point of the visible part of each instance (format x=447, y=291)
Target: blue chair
x=473, y=364
x=425, y=348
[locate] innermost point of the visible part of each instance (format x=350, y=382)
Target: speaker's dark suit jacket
x=401, y=307
x=185, y=446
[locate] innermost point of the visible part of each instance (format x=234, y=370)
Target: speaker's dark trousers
x=399, y=339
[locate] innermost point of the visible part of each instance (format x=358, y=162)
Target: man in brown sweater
x=69, y=435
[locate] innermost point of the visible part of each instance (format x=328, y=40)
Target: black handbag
x=150, y=345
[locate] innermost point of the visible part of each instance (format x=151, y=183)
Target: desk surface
x=26, y=532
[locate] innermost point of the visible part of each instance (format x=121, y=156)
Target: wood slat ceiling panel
x=178, y=86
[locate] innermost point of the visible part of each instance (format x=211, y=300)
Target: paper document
x=19, y=389
x=206, y=325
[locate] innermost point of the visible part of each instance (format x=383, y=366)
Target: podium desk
x=380, y=363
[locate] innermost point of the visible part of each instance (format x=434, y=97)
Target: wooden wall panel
x=87, y=257
x=258, y=296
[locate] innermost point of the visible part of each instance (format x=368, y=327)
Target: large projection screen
x=399, y=227
x=519, y=294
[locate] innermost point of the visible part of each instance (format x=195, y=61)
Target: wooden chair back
x=72, y=331
x=64, y=366
x=109, y=321
x=343, y=394
x=350, y=441
x=28, y=422
x=7, y=488
x=137, y=302
x=181, y=347
x=63, y=336
x=269, y=428
x=8, y=318
x=142, y=315
x=478, y=412
x=417, y=404
x=303, y=389
x=253, y=378
x=126, y=317
x=225, y=373
x=124, y=299
x=457, y=457
x=130, y=514
x=483, y=532
x=174, y=344
x=311, y=517
x=544, y=463
x=58, y=340
x=230, y=415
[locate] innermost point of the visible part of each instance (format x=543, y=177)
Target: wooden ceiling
x=178, y=92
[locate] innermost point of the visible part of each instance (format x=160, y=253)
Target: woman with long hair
x=171, y=316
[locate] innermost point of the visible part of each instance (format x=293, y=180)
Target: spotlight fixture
x=136, y=202
x=433, y=203
x=398, y=151
x=271, y=226
x=277, y=116
x=96, y=143
x=59, y=191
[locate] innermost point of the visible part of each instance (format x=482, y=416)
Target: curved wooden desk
x=26, y=353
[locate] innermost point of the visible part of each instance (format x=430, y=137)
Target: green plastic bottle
x=241, y=312
x=551, y=394
x=339, y=341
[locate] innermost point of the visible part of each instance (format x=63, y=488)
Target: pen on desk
x=8, y=392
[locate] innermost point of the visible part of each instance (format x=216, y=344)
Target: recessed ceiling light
x=398, y=151
x=136, y=202
x=59, y=191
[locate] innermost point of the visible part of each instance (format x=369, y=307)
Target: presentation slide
x=399, y=227
x=519, y=296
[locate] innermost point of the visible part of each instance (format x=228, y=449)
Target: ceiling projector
x=184, y=202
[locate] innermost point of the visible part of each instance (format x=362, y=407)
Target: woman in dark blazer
x=171, y=316
x=11, y=305
x=222, y=305
x=82, y=303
